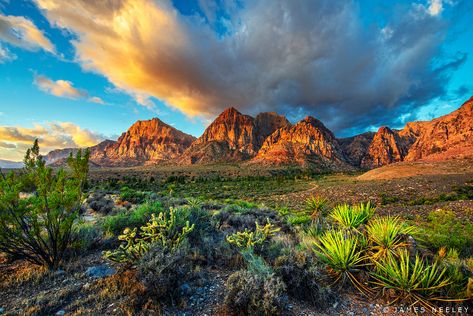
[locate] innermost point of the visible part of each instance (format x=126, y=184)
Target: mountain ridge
x=270, y=139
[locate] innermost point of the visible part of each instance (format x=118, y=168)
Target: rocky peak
x=233, y=136
x=387, y=147
x=306, y=142
x=145, y=142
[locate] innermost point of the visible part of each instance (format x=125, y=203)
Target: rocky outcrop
x=449, y=136
x=231, y=137
x=385, y=148
x=145, y=142
x=355, y=148
x=306, y=143
x=269, y=138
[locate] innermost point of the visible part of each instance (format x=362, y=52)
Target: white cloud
x=63, y=88
x=21, y=32
x=6, y=55
x=14, y=140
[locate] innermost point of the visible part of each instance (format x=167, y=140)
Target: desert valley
x=217, y=157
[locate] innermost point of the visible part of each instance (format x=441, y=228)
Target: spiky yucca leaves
x=342, y=253
x=416, y=281
x=351, y=217
x=316, y=205
x=385, y=235
x=248, y=239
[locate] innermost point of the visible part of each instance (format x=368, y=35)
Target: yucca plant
x=316, y=205
x=385, y=235
x=416, y=281
x=341, y=252
x=351, y=217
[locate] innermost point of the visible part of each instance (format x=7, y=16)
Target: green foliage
x=316, y=205
x=39, y=228
x=413, y=280
x=299, y=219
x=131, y=195
x=385, y=235
x=248, y=239
x=352, y=216
x=341, y=252
x=251, y=293
x=445, y=229
x=115, y=224
x=87, y=235
x=160, y=230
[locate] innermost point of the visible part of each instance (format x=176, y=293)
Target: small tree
x=38, y=227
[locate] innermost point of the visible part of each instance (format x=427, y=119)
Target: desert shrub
x=412, y=280
x=139, y=216
x=386, y=234
x=160, y=231
x=316, y=205
x=299, y=219
x=251, y=293
x=163, y=271
x=98, y=203
x=342, y=253
x=39, y=228
x=303, y=278
x=249, y=239
x=348, y=216
x=87, y=236
x=131, y=195
x=444, y=229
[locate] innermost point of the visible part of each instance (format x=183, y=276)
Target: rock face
x=269, y=138
x=306, y=143
x=231, y=137
x=59, y=155
x=386, y=147
x=145, y=142
x=449, y=136
x=355, y=148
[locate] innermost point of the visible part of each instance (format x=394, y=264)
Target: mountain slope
x=7, y=164
x=231, y=137
x=306, y=143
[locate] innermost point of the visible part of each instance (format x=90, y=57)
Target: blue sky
x=74, y=74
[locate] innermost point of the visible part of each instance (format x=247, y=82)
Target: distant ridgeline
x=270, y=139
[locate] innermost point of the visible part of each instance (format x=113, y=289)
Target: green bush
x=386, y=234
x=444, y=229
x=115, y=224
x=39, y=228
x=414, y=281
x=249, y=239
x=160, y=231
x=342, y=253
x=300, y=219
x=132, y=196
x=87, y=236
x=348, y=216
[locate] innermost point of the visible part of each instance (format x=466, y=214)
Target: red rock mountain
x=446, y=137
x=232, y=136
x=306, y=143
x=270, y=139
x=145, y=142
x=385, y=148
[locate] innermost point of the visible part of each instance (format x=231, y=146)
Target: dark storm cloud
x=295, y=57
